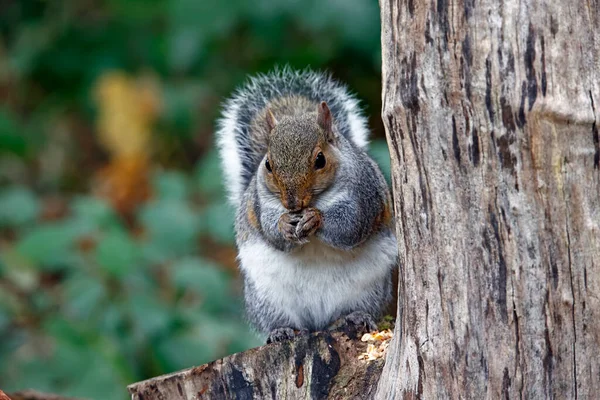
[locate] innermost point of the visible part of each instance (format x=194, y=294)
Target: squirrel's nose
x=291, y=203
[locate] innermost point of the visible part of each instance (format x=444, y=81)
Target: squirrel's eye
x=320, y=161
x=268, y=165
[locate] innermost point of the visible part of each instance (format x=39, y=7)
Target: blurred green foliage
x=90, y=299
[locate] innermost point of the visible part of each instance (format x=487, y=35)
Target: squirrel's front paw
x=287, y=226
x=362, y=320
x=310, y=222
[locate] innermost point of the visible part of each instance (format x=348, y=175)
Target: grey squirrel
x=314, y=223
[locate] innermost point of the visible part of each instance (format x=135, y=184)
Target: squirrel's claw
x=355, y=324
x=281, y=334
x=287, y=226
x=361, y=319
x=310, y=222
x=297, y=227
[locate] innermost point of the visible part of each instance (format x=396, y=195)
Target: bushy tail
x=240, y=154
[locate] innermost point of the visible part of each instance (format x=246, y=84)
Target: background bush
x=116, y=245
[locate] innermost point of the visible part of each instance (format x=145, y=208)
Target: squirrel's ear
x=271, y=121
x=324, y=118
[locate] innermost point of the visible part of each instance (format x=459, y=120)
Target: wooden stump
x=316, y=366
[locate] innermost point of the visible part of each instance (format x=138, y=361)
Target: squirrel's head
x=301, y=160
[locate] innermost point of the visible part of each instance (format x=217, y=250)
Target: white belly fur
x=317, y=282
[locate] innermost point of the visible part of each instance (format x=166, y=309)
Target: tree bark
x=492, y=110
x=316, y=366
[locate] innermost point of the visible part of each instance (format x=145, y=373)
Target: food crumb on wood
x=378, y=342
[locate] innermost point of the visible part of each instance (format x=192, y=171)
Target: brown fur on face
x=294, y=143
x=252, y=217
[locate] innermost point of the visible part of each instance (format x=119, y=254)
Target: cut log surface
x=322, y=365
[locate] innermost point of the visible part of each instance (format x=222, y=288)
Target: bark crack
x=572, y=308
x=595, y=136
x=567, y=229
x=517, y=340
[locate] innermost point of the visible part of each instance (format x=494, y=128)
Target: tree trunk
x=491, y=110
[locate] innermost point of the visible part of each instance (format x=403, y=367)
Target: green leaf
x=171, y=185
x=180, y=102
x=186, y=44
x=209, y=175
x=117, y=254
x=18, y=207
x=358, y=22
x=31, y=373
x=99, y=380
x=244, y=339
x=197, y=351
x=50, y=245
x=172, y=227
x=95, y=212
x=42, y=302
x=65, y=331
x=224, y=333
x=204, y=278
x=83, y=295
x=12, y=139
x=193, y=23
x=4, y=319
x=10, y=303
x=217, y=221
x=150, y=315
x=111, y=318
x=31, y=40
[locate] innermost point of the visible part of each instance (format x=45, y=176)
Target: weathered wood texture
x=316, y=366
x=492, y=111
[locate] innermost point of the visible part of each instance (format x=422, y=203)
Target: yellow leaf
x=127, y=110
